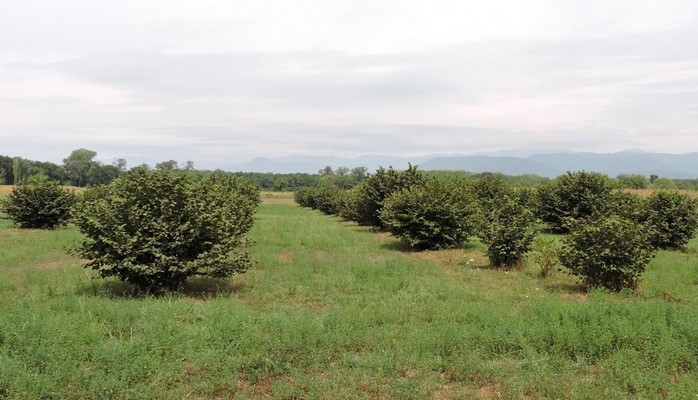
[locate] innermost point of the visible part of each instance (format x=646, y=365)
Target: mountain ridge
x=681, y=166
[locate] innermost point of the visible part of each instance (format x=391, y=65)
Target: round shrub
x=40, y=205
x=328, y=198
x=573, y=196
x=156, y=229
x=609, y=252
x=434, y=215
x=305, y=197
x=671, y=218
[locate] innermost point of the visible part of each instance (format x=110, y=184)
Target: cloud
x=211, y=81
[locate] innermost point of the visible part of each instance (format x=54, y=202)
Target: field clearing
x=335, y=311
x=649, y=192
x=285, y=198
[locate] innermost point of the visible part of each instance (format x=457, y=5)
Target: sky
x=221, y=82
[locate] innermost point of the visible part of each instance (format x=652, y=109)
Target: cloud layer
x=223, y=82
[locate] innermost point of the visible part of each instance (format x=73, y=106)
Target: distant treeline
x=81, y=169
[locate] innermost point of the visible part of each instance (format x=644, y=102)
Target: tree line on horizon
x=81, y=169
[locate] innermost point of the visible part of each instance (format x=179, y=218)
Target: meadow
x=332, y=310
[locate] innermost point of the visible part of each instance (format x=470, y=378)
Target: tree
x=42, y=204
x=53, y=172
x=120, y=164
x=169, y=165
x=78, y=164
x=20, y=170
x=664, y=184
x=359, y=174
x=327, y=171
x=100, y=174
x=342, y=171
x=156, y=229
x=633, y=181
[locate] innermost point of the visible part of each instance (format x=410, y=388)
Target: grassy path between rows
x=335, y=311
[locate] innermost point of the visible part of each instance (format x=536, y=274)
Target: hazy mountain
x=625, y=162
x=505, y=165
x=548, y=165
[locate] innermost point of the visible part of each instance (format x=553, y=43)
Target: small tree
x=573, y=196
x=632, y=181
x=347, y=205
x=328, y=199
x=509, y=234
x=379, y=186
x=305, y=197
x=156, y=229
x=42, y=204
x=78, y=165
x=433, y=215
x=609, y=252
x=671, y=218
x=546, y=253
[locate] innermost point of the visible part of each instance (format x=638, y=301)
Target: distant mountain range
x=548, y=165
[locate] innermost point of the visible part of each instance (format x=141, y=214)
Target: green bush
x=348, y=205
x=509, y=233
x=490, y=191
x=434, y=215
x=573, y=196
x=632, y=181
x=627, y=205
x=671, y=218
x=305, y=197
x=379, y=186
x=328, y=199
x=156, y=229
x=609, y=252
x=40, y=205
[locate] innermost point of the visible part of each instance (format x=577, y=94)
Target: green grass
x=336, y=311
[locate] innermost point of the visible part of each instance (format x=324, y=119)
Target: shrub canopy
x=610, y=252
x=671, y=218
x=156, y=229
x=509, y=232
x=379, y=186
x=573, y=196
x=434, y=215
x=40, y=205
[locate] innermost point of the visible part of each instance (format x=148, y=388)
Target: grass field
x=335, y=311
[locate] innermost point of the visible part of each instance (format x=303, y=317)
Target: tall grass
x=336, y=311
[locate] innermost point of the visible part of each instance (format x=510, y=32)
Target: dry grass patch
x=5, y=189
x=649, y=192
x=284, y=198
x=285, y=256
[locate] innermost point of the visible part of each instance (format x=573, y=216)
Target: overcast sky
x=224, y=81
